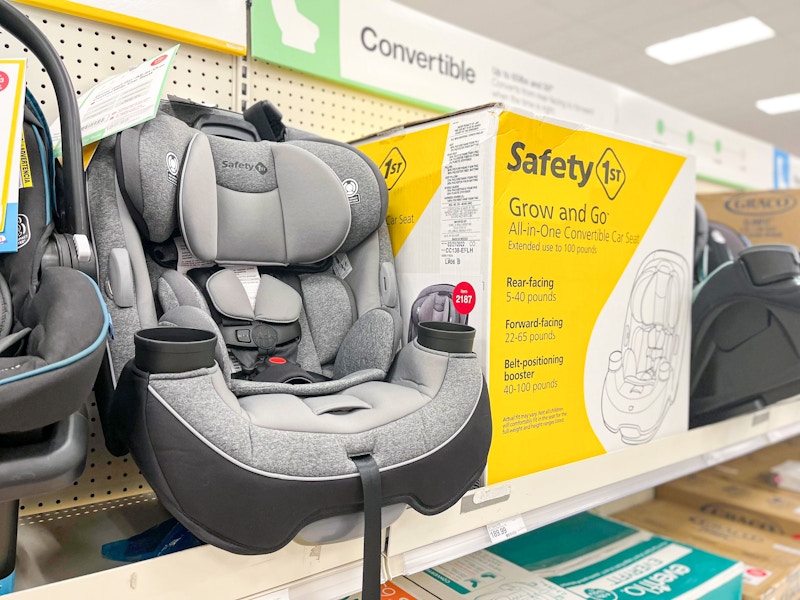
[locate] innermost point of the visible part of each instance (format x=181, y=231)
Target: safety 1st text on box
x=570, y=251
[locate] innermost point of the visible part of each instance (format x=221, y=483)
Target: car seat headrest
x=700, y=230
x=260, y=203
x=148, y=159
x=362, y=181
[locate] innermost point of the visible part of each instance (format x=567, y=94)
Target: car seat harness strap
x=371, y=485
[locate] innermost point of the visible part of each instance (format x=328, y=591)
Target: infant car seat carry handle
x=18, y=25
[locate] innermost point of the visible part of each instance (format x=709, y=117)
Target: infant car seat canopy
x=298, y=412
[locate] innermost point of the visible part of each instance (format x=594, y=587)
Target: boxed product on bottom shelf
x=399, y=589
x=762, y=468
x=773, y=510
x=771, y=562
x=585, y=556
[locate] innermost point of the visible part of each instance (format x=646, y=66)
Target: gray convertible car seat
x=259, y=384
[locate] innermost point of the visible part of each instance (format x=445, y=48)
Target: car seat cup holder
x=454, y=338
x=174, y=349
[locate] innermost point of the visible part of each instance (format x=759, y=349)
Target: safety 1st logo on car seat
x=259, y=167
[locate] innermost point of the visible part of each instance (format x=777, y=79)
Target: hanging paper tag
x=341, y=265
x=188, y=261
x=250, y=279
x=25, y=177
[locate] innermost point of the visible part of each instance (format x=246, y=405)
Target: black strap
x=371, y=484
x=267, y=120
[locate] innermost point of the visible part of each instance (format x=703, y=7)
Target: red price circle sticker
x=3, y=80
x=158, y=60
x=756, y=572
x=464, y=298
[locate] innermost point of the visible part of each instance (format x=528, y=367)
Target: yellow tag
x=25, y=177
x=88, y=153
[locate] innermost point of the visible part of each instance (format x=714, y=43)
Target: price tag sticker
x=505, y=530
x=755, y=575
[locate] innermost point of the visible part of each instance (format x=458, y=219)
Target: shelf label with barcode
x=504, y=530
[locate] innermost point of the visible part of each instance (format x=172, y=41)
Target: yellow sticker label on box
x=25, y=177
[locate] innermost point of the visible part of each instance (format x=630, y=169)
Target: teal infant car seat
x=53, y=323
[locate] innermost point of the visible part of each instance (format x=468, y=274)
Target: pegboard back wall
x=326, y=108
x=91, y=52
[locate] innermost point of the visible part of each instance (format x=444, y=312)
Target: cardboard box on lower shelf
x=757, y=468
x=584, y=557
x=399, y=589
x=772, y=510
x=771, y=563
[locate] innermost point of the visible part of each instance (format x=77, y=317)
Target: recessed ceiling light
x=711, y=41
x=779, y=104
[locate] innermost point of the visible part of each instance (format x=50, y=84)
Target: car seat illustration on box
x=643, y=374
x=434, y=303
x=262, y=394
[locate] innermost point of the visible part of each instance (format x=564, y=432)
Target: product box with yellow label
x=569, y=251
x=766, y=217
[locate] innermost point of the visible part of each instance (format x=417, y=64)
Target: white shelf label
x=504, y=530
x=279, y=595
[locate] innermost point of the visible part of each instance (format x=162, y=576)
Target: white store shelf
x=59, y=557
x=417, y=542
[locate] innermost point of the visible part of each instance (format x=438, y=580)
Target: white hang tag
x=341, y=265
x=250, y=279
